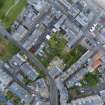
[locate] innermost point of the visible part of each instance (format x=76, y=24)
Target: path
x=16, y=2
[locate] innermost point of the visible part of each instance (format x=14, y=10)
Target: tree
x=57, y=44
x=91, y=79
x=1, y=3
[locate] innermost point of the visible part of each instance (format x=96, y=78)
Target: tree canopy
x=1, y=3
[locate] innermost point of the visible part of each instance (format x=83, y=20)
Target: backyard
x=56, y=47
x=7, y=49
x=9, y=10
x=90, y=79
x=72, y=56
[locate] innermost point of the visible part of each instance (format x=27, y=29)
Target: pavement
x=52, y=86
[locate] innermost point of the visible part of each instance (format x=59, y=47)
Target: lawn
x=9, y=10
x=56, y=47
x=72, y=56
x=90, y=79
x=7, y=49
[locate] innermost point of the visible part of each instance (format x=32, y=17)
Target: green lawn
x=56, y=47
x=8, y=18
x=7, y=49
x=90, y=79
x=72, y=56
x=44, y=60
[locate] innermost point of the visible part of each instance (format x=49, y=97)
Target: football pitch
x=9, y=10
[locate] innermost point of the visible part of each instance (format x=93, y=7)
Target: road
x=52, y=85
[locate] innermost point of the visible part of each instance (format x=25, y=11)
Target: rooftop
x=91, y=100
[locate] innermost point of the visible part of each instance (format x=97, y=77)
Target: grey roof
x=5, y=79
x=17, y=60
x=20, y=33
x=29, y=71
x=41, y=83
x=20, y=92
x=91, y=100
x=79, y=6
x=55, y=71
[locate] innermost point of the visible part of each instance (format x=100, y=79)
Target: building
x=38, y=4
x=17, y=60
x=60, y=22
x=29, y=17
x=42, y=88
x=101, y=3
x=21, y=64
x=96, y=62
x=5, y=78
x=55, y=72
x=75, y=79
x=29, y=71
x=20, y=33
x=90, y=100
x=20, y=92
x=102, y=95
x=34, y=37
x=76, y=9
x=84, y=18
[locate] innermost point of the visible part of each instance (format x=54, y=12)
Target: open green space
x=90, y=79
x=7, y=49
x=72, y=56
x=9, y=10
x=56, y=47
